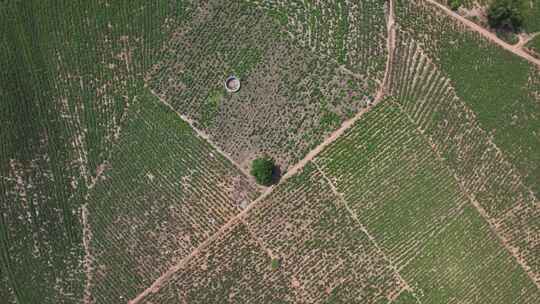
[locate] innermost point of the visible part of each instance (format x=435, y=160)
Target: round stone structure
x=232, y=84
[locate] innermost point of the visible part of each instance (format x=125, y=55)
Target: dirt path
x=87, y=262
x=222, y=230
x=402, y=282
x=158, y=283
x=208, y=139
x=487, y=34
x=524, y=39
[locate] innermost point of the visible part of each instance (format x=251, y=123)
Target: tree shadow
x=276, y=175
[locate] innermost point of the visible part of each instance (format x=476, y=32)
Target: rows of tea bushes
x=491, y=81
x=429, y=98
x=414, y=208
x=298, y=245
x=164, y=192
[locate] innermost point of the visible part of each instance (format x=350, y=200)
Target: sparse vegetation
x=275, y=264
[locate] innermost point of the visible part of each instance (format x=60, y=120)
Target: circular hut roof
x=232, y=84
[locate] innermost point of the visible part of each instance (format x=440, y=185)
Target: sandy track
x=292, y=170
x=487, y=34
x=207, y=138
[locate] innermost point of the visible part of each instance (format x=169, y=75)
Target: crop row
x=351, y=32
x=493, y=83
x=290, y=97
x=165, y=192
x=429, y=99
x=298, y=245
x=413, y=207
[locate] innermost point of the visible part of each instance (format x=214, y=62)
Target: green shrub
x=262, y=169
x=455, y=4
x=275, y=263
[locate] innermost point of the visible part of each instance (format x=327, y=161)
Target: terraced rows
x=164, y=192
x=414, y=209
x=319, y=252
x=428, y=98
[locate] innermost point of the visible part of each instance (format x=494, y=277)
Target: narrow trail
x=403, y=283
x=535, y=277
x=87, y=262
x=487, y=34
x=380, y=94
x=524, y=39
x=207, y=138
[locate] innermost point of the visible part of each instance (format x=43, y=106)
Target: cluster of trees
x=502, y=14
x=506, y=14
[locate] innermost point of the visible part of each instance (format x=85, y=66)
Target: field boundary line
x=470, y=197
x=88, y=258
x=486, y=33
x=237, y=219
x=363, y=228
x=206, y=137
x=157, y=284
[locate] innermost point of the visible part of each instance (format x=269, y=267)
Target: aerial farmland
x=269, y=151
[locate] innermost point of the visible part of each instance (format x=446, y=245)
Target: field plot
x=68, y=69
x=494, y=83
x=298, y=245
x=486, y=173
x=164, y=191
x=290, y=96
x=351, y=32
x=405, y=298
x=530, y=13
x=413, y=207
x=234, y=269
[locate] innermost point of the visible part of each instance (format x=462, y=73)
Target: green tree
x=262, y=169
x=455, y=4
x=505, y=14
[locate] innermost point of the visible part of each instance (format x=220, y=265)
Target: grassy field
x=321, y=252
x=292, y=94
x=417, y=212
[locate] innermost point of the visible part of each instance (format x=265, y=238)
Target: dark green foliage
x=275, y=263
x=455, y=4
x=506, y=14
x=262, y=169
